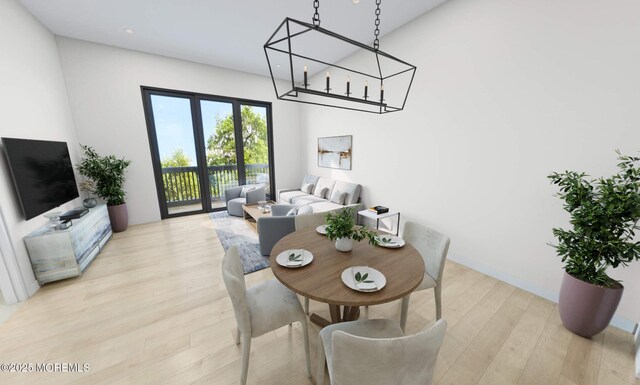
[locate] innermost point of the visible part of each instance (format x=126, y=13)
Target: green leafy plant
x=343, y=225
x=362, y=278
x=107, y=172
x=604, y=215
x=295, y=258
x=385, y=240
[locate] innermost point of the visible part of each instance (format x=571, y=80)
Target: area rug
x=233, y=231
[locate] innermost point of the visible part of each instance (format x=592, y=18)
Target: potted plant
x=108, y=174
x=604, y=216
x=341, y=228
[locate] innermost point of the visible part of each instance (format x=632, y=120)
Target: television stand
x=59, y=254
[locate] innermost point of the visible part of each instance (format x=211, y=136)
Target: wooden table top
x=253, y=210
x=320, y=280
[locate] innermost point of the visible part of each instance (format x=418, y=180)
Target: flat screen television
x=42, y=173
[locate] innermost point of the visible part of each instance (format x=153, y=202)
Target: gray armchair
x=234, y=200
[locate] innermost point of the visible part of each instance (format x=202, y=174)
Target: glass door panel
x=176, y=145
x=255, y=144
x=218, y=127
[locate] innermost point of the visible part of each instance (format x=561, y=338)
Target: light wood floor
x=152, y=309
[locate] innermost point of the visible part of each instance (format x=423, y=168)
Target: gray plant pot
x=119, y=217
x=587, y=309
x=90, y=203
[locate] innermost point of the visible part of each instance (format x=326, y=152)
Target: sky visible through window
x=174, y=126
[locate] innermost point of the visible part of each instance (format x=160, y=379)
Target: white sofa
x=322, y=194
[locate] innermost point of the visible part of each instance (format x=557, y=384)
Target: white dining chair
x=376, y=352
x=433, y=247
x=260, y=309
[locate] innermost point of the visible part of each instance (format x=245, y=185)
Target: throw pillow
x=245, y=190
x=321, y=193
x=292, y=212
x=307, y=188
x=306, y=209
x=338, y=197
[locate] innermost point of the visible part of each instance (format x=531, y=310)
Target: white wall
x=34, y=106
x=104, y=92
x=505, y=93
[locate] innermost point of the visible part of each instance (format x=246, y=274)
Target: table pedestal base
x=338, y=314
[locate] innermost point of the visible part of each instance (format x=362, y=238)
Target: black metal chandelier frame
x=378, y=106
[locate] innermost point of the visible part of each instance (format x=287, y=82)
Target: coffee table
x=251, y=213
x=320, y=280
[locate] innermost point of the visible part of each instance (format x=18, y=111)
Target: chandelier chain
x=376, y=32
x=316, y=15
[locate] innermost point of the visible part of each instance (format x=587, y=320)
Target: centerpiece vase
x=344, y=244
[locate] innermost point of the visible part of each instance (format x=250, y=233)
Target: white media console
x=60, y=254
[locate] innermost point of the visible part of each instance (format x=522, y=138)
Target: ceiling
x=225, y=33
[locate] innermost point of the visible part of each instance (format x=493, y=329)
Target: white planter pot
x=344, y=244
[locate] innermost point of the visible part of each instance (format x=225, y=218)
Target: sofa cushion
x=306, y=209
x=324, y=183
x=305, y=200
x=307, y=188
x=245, y=190
x=352, y=190
x=292, y=212
x=320, y=207
x=312, y=179
x=290, y=196
x=321, y=192
x=338, y=196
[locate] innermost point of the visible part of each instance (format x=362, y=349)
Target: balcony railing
x=181, y=184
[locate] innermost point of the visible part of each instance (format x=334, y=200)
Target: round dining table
x=321, y=280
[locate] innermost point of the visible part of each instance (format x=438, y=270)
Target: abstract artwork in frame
x=335, y=152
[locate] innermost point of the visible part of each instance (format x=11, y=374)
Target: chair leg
x=404, y=311
x=307, y=356
x=321, y=363
x=237, y=336
x=246, y=352
x=306, y=305
x=437, y=292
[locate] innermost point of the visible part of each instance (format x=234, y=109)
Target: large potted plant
x=108, y=174
x=604, y=216
x=341, y=228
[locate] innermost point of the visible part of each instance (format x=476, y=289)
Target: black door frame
x=197, y=125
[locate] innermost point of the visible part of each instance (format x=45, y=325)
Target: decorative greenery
x=295, y=258
x=362, y=278
x=108, y=174
x=385, y=240
x=88, y=186
x=343, y=225
x=604, y=214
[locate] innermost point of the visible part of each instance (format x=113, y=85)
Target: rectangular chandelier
x=367, y=80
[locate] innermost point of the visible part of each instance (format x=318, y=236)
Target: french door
x=202, y=145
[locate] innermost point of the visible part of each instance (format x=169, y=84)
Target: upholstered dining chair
x=433, y=247
x=260, y=309
x=376, y=352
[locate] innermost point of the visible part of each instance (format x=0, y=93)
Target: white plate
x=322, y=229
x=374, y=275
x=392, y=243
x=283, y=258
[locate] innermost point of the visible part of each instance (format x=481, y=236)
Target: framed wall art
x=335, y=152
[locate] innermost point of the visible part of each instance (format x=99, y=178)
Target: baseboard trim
x=32, y=287
x=637, y=352
x=618, y=322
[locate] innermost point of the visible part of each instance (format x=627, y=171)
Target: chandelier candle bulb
x=348, y=85
x=366, y=90
x=328, y=81
x=305, y=77
x=381, y=93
